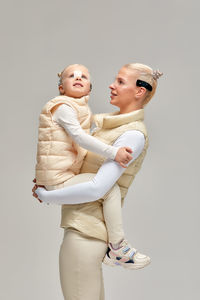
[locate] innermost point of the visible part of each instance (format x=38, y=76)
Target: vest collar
x=115, y=119
x=81, y=101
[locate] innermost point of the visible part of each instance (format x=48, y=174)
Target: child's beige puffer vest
x=58, y=157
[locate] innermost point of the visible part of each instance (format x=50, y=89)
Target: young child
x=64, y=124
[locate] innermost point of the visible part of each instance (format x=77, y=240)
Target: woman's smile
x=112, y=95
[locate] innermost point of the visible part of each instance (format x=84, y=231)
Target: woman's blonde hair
x=148, y=75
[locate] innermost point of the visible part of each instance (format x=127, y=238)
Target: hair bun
x=59, y=75
x=156, y=74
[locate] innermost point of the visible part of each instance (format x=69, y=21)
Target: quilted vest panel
x=88, y=218
x=58, y=157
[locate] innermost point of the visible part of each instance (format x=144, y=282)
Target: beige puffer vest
x=88, y=218
x=58, y=157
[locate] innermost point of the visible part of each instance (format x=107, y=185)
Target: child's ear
x=61, y=89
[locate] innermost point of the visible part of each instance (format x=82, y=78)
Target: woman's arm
x=105, y=178
x=66, y=117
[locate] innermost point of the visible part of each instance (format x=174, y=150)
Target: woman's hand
x=34, y=188
x=123, y=156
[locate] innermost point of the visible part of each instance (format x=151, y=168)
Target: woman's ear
x=140, y=92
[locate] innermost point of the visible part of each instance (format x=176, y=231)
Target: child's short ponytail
x=60, y=78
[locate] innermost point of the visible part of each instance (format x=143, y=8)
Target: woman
x=84, y=244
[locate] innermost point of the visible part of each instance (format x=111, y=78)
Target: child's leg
x=111, y=206
x=119, y=252
x=113, y=215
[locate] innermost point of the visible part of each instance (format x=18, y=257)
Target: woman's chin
x=113, y=102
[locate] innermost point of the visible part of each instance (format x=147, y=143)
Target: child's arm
x=105, y=178
x=66, y=117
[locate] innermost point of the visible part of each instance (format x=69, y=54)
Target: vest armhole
x=55, y=107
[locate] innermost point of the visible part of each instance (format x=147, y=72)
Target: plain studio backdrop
x=161, y=211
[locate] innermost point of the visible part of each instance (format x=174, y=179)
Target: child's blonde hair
x=148, y=75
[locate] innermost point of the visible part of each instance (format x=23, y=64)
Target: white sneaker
x=126, y=256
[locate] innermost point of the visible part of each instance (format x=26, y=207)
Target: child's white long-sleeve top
x=66, y=117
x=105, y=178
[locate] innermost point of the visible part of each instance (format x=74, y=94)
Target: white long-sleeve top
x=105, y=178
x=66, y=117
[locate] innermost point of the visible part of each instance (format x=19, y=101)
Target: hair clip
x=156, y=74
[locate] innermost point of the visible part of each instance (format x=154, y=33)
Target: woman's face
x=124, y=89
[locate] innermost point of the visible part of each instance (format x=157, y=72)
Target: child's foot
x=126, y=256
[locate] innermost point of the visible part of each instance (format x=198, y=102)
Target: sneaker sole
x=134, y=266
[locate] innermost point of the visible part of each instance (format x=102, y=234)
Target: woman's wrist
x=41, y=193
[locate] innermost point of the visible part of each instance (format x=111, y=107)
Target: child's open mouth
x=78, y=84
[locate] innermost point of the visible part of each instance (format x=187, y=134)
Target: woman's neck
x=130, y=108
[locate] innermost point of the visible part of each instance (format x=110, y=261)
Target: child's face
x=75, y=82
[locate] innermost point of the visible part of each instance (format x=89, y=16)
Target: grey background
x=161, y=212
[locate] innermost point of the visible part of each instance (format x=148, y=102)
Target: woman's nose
x=111, y=86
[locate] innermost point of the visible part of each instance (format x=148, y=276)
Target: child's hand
x=123, y=156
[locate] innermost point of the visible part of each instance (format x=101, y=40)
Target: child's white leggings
x=80, y=263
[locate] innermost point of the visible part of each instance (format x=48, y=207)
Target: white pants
x=80, y=263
